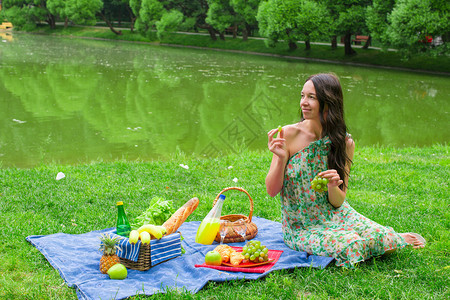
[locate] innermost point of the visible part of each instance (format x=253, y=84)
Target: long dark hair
x=330, y=97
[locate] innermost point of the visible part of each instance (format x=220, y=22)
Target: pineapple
x=109, y=258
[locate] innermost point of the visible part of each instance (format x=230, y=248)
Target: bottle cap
x=222, y=197
x=119, y=202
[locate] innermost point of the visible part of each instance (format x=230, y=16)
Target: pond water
x=72, y=101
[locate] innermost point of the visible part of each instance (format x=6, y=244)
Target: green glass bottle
x=123, y=226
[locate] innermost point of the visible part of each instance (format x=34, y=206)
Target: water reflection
x=81, y=100
x=6, y=36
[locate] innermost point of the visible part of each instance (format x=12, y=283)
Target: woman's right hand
x=277, y=145
x=274, y=178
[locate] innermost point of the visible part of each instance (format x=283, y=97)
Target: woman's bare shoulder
x=350, y=145
x=349, y=141
x=291, y=130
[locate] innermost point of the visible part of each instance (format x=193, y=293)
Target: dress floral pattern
x=310, y=223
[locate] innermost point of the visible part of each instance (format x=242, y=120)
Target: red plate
x=249, y=264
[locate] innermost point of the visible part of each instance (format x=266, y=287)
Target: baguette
x=175, y=221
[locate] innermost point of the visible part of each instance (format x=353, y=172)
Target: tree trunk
x=51, y=21
x=211, y=31
x=110, y=25
x=292, y=45
x=235, y=28
x=66, y=22
x=246, y=31
x=334, y=43
x=367, y=44
x=348, y=44
x=222, y=36
x=132, y=18
x=307, y=45
x=132, y=24
x=244, y=34
x=212, y=34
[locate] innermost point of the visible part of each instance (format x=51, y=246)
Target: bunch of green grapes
x=253, y=251
x=319, y=184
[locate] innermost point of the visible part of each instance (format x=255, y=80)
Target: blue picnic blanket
x=77, y=258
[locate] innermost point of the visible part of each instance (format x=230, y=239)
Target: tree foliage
x=377, y=18
x=246, y=11
x=81, y=12
x=220, y=14
x=409, y=30
x=25, y=14
x=348, y=18
x=292, y=21
x=403, y=24
x=169, y=22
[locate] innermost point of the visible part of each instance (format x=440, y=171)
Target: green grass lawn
x=369, y=56
x=403, y=188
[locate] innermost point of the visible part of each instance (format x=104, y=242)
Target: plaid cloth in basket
x=161, y=250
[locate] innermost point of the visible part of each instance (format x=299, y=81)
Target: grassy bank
x=369, y=56
x=403, y=188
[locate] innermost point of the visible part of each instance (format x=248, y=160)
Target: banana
x=145, y=237
x=163, y=229
x=152, y=229
x=134, y=236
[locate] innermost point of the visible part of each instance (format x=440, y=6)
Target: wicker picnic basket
x=162, y=251
x=233, y=236
x=143, y=263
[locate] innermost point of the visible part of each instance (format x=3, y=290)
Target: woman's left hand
x=333, y=177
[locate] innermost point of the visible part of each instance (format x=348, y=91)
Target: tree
x=58, y=8
x=169, y=22
x=148, y=12
x=313, y=22
x=107, y=13
x=413, y=21
x=292, y=21
x=77, y=11
x=25, y=14
x=131, y=14
x=246, y=11
x=348, y=18
x=191, y=11
x=195, y=13
x=151, y=15
x=377, y=18
x=220, y=15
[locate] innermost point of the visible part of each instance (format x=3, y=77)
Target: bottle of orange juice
x=210, y=225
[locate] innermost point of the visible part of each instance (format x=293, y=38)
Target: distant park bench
x=359, y=39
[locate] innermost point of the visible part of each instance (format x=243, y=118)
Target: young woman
x=323, y=223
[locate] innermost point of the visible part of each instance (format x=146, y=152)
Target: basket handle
x=241, y=190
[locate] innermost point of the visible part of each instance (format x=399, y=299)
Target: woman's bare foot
x=414, y=239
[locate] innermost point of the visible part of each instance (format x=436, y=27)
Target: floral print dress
x=310, y=223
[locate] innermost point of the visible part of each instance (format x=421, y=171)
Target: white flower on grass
x=230, y=167
x=60, y=175
x=235, y=180
x=184, y=166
